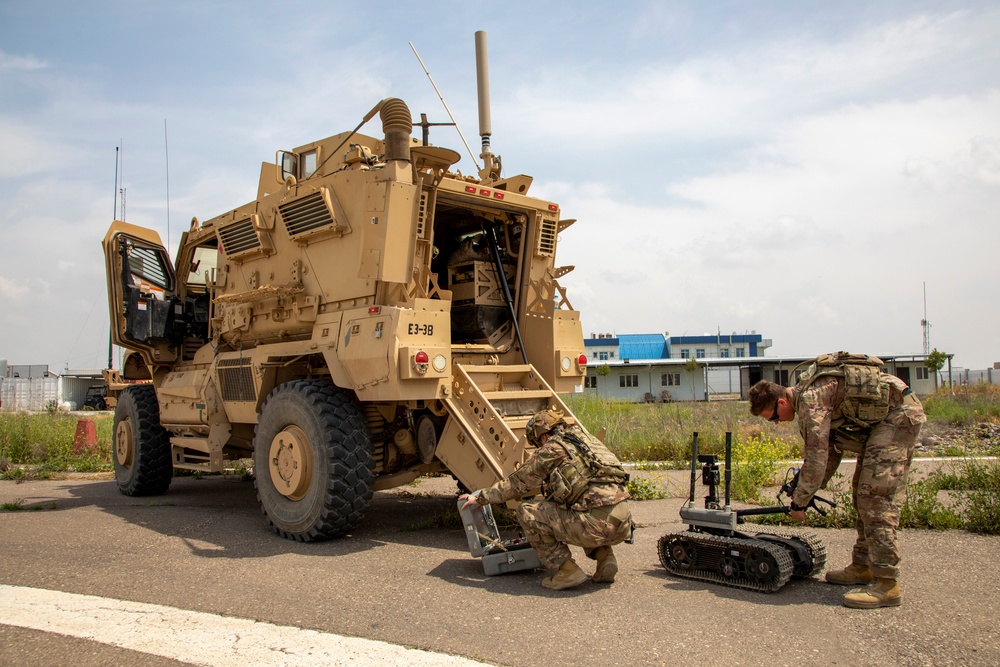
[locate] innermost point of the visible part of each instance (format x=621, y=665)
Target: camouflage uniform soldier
x=585, y=500
x=882, y=437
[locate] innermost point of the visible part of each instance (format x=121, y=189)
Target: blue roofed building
x=660, y=368
x=655, y=367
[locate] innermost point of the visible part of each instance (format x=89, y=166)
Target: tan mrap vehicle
x=370, y=318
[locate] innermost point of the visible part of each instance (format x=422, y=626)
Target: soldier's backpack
x=866, y=394
x=589, y=462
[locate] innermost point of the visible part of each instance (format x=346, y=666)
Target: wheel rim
x=762, y=567
x=729, y=567
x=290, y=462
x=683, y=554
x=124, y=443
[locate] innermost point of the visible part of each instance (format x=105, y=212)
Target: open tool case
x=499, y=557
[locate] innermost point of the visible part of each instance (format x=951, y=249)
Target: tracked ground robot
x=713, y=549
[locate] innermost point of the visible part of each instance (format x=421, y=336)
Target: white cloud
x=11, y=62
x=13, y=290
x=823, y=235
x=749, y=90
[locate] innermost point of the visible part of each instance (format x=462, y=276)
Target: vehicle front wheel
x=141, y=445
x=313, y=463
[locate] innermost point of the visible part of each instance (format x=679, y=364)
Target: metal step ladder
x=489, y=406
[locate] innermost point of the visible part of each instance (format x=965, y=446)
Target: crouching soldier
x=585, y=500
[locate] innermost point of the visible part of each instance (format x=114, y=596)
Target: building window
x=603, y=356
x=595, y=355
x=628, y=381
x=700, y=353
x=685, y=354
x=611, y=355
x=922, y=373
x=781, y=377
x=724, y=353
x=670, y=380
x=590, y=382
x=740, y=352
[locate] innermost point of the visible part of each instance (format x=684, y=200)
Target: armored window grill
x=236, y=380
x=146, y=263
x=547, y=238
x=307, y=214
x=239, y=238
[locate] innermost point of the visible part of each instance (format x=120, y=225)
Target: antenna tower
x=926, y=325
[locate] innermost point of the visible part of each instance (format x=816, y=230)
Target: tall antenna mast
x=166, y=154
x=114, y=215
x=491, y=162
x=926, y=325
x=121, y=188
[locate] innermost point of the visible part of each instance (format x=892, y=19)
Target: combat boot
x=879, y=593
x=851, y=575
x=607, y=566
x=568, y=576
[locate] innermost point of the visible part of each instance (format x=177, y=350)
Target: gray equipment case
x=499, y=557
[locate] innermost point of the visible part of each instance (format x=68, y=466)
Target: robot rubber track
x=750, y=564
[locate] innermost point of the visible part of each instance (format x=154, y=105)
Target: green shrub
x=645, y=489
x=755, y=462
x=923, y=509
x=981, y=501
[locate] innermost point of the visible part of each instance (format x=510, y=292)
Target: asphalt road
x=205, y=547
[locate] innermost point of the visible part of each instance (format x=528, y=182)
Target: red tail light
x=421, y=357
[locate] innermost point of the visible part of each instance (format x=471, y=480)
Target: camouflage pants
x=550, y=527
x=879, y=489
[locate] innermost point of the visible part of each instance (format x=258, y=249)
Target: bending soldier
x=585, y=500
x=843, y=403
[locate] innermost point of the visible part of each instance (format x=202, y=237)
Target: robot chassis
x=712, y=549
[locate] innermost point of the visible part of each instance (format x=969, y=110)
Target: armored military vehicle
x=371, y=317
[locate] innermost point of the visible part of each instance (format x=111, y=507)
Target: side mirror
x=288, y=166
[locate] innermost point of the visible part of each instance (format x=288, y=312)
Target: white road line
x=199, y=638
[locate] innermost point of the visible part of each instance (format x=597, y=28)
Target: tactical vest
x=588, y=462
x=866, y=394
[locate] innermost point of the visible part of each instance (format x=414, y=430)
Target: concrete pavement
x=204, y=547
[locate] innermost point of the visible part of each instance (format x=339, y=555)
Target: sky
x=807, y=171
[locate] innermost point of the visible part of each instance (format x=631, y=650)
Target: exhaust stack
x=491, y=163
x=397, y=126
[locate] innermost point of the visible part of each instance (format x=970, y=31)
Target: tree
x=935, y=362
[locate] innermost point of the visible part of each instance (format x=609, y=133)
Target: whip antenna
x=441, y=97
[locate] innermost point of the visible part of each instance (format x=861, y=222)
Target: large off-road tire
x=313, y=464
x=140, y=445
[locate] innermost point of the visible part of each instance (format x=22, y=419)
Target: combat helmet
x=541, y=423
